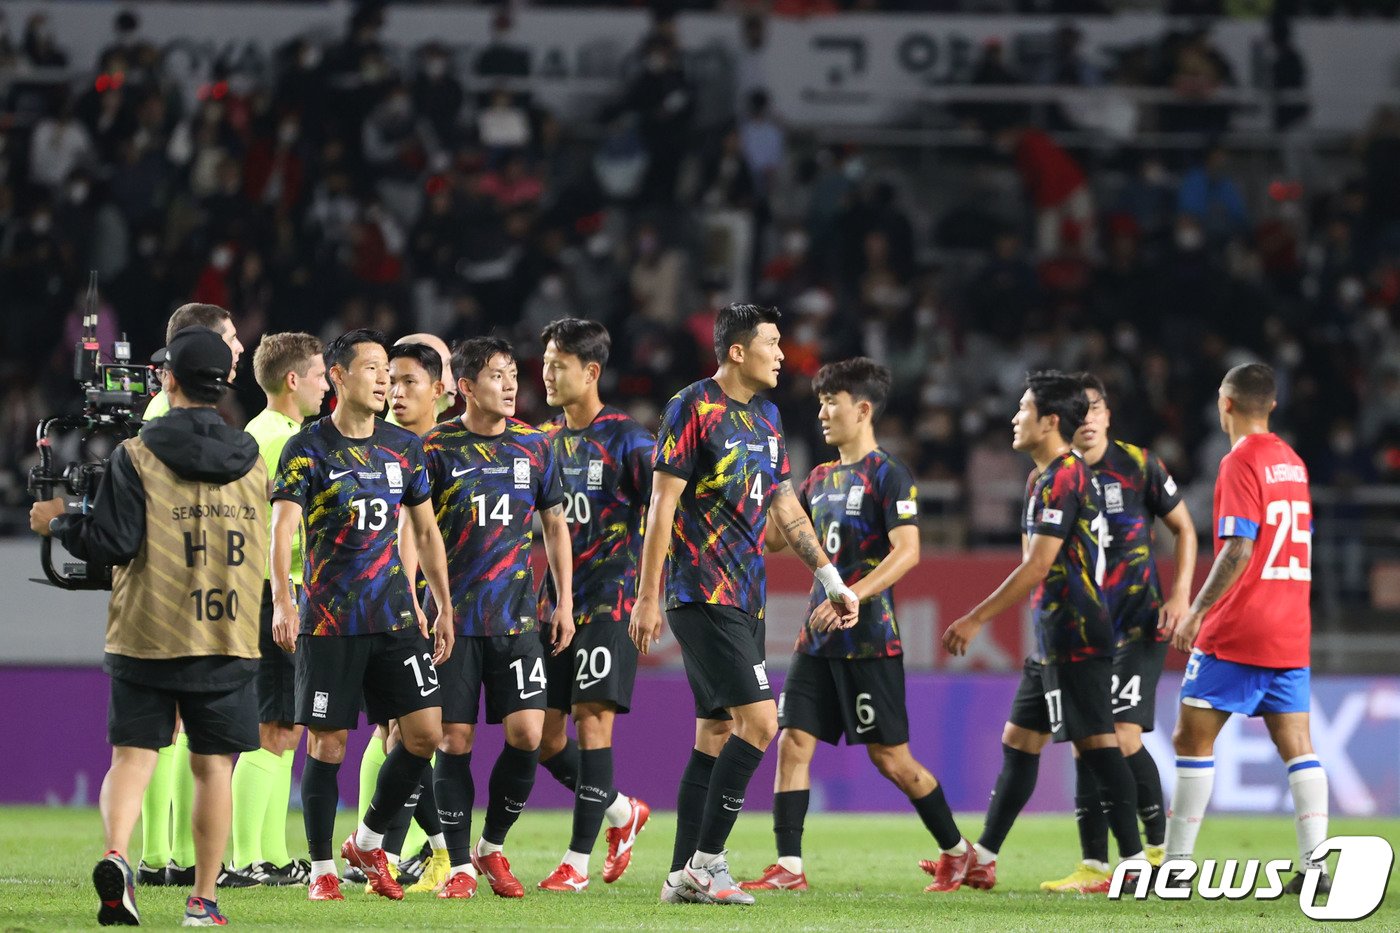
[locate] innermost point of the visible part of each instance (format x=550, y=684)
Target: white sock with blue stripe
x=1195, y=778
x=1308, y=782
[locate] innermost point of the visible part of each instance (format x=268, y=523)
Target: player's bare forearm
x=1021, y=583
x=902, y=558
x=1229, y=565
x=432, y=554
x=558, y=550
x=796, y=526
x=773, y=538
x=1178, y=522
x=661, y=514
x=286, y=516
x=408, y=551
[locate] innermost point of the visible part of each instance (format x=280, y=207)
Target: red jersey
x=1264, y=619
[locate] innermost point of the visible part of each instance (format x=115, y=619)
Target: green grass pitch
x=863, y=871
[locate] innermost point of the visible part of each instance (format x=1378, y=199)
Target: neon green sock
x=155, y=811
x=252, y=780
x=182, y=806
x=370, y=764
x=279, y=797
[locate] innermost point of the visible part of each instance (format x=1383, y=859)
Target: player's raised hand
x=644, y=628
x=444, y=634
x=561, y=628
x=960, y=634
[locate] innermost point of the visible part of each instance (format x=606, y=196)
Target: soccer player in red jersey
x=1249, y=627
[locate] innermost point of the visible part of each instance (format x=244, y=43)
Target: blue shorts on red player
x=1231, y=687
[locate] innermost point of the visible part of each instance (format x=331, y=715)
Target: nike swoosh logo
x=731, y=444
x=337, y=474
x=426, y=691
x=584, y=685
x=457, y=472
x=576, y=885
x=592, y=799
x=732, y=809
x=526, y=696
x=1124, y=709
x=861, y=730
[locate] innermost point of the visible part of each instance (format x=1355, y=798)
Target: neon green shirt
x=272, y=429
x=160, y=405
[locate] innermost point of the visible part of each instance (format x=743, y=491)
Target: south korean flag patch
x=1051, y=516
x=522, y=473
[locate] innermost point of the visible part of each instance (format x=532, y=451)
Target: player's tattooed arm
x=796, y=527
x=1229, y=564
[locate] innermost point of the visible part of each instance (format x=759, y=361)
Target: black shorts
x=1136, y=669
x=599, y=666
x=510, y=667
x=219, y=723
x=724, y=654
x=390, y=673
x=277, y=671
x=1070, y=702
x=862, y=699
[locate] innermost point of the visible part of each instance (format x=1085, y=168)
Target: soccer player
x=1249, y=627
x=604, y=459
x=1137, y=490
x=721, y=470
x=345, y=479
x=167, y=848
x=1065, y=687
x=291, y=370
x=490, y=475
x=415, y=394
x=850, y=682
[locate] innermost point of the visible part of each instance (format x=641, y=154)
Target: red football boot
x=495, y=868
x=375, y=864
x=622, y=838
x=565, y=879
x=461, y=886
x=324, y=888
x=950, y=871
x=776, y=878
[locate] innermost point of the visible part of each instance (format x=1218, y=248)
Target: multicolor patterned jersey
x=1071, y=618
x=853, y=508
x=486, y=491
x=1137, y=490
x=606, y=471
x=350, y=490
x=732, y=455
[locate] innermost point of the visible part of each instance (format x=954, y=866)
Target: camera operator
x=182, y=514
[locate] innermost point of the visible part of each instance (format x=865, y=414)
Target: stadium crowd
x=359, y=184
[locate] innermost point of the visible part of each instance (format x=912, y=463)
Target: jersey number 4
x=1289, y=519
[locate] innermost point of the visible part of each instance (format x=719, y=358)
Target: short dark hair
x=1253, y=388
x=1088, y=381
x=341, y=350
x=427, y=357
x=1057, y=394
x=469, y=357
x=587, y=340
x=194, y=314
x=737, y=324
x=862, y=377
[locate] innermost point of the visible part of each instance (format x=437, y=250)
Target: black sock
x=938, y=819
x=565, y=764
x=690, y=806
x=399, y=777
x=1149, y=796
x=320, y=795
x=512, y=779
x=1014, y=787
x=398, y=827
x=426, y=811
x=595, y=791
x=1119, y=792
x=454, y=788
x=789, y=813
x=1089, y=813
x=729, y=784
